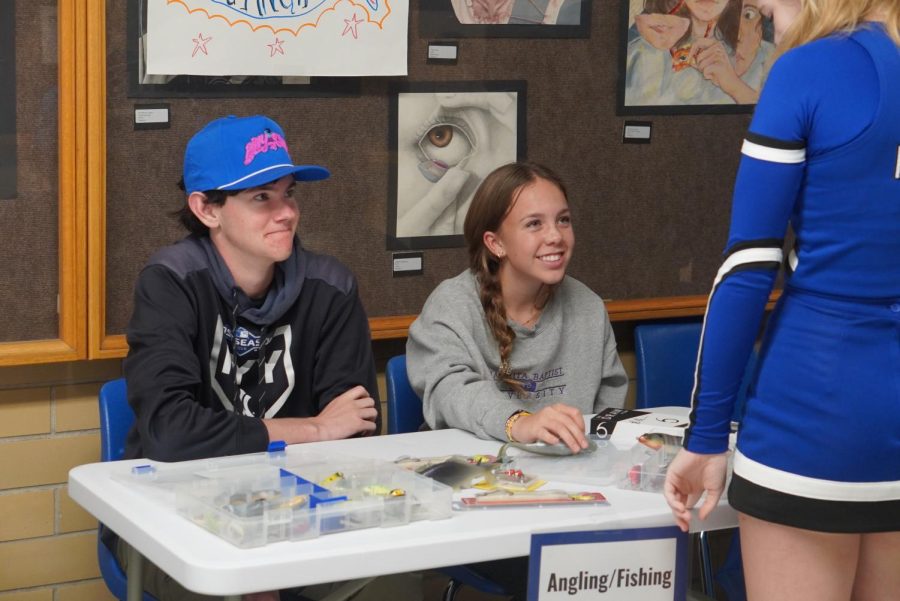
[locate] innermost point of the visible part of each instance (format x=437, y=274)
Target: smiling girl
x=513, y=348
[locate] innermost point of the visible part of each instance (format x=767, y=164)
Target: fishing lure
x=457, y=473
x=500, y=498
x=335, y=477
x=541, y=448
x=660, y=441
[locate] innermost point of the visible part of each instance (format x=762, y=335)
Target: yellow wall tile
x=48, y=560
x=89, y=590
x=46, y=460
x=75, y=371
x=24, y=411
x=26, y=514
x=77, y=407
x=43, y=594
x=72, y=518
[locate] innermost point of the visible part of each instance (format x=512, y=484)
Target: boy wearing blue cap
x=239, y=335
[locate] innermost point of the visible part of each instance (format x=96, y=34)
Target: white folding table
x=204, y=563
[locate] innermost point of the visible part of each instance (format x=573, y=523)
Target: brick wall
x=48, y=424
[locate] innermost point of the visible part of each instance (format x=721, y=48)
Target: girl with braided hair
x=513, y=348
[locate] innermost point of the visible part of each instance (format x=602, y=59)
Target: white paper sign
x=643, y=564
x=277, y=37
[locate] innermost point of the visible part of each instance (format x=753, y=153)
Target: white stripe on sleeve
x=773, y=155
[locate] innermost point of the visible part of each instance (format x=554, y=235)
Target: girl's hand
x=553, y=424
x=688, y=477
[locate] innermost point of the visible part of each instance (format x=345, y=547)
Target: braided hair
x=492, y=202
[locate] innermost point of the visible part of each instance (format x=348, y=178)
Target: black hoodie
x=302, y=345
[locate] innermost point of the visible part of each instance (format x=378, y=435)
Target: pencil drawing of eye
x=444, y=143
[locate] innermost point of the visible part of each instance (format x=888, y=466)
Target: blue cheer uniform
x=819, y=443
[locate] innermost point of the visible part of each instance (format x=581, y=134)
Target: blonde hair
x=820, y=18
x=492, y=202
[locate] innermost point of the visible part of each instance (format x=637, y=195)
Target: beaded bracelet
x=511, y=420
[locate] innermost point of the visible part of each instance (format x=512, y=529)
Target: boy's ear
x=202, y=209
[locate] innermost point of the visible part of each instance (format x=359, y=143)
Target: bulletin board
x=650, y=219
x=30, y=195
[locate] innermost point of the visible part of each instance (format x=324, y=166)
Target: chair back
x=666, y=355
x=116, y=418
x=404, y=406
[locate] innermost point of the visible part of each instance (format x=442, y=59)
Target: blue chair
x=404, y=405
x=116, y=418
x=404, y=409
x=666, y=360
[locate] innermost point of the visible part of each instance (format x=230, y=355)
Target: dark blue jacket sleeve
x=165, y=381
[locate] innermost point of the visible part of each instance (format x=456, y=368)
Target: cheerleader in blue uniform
x=817, y=467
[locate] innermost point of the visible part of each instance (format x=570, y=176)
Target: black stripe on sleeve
x=775, y=142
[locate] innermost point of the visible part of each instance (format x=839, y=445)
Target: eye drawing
x=443, y=144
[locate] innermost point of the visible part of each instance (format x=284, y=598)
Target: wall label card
x=640, y=564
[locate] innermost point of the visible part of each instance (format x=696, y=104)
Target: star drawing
x=350, y=26
x=200, y=44
x=275, y=47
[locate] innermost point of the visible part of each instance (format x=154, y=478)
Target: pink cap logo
x=264, y=142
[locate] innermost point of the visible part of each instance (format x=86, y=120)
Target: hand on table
x=348, y=414
x=553, y=424
x=688, y=477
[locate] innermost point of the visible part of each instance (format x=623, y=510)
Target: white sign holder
x=639, y=564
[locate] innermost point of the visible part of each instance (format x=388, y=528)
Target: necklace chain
x=535, y=313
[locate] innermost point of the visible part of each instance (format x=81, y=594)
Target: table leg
x=134, y=576
x=706, y=572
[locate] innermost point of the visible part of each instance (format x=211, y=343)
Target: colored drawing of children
x=700, y=66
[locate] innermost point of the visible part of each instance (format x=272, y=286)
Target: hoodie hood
x=283, y=291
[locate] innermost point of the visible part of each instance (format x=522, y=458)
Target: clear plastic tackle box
x=257, y=499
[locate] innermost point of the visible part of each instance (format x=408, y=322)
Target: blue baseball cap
x=234, y=153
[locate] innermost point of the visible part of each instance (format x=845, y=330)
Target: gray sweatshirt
x=569, y=357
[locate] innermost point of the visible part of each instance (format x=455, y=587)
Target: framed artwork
x=444, y=138
x=692, y=56
x=505, y=18
x=8, y=176
x=141, y=85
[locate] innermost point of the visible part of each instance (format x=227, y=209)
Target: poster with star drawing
x=277, y=37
